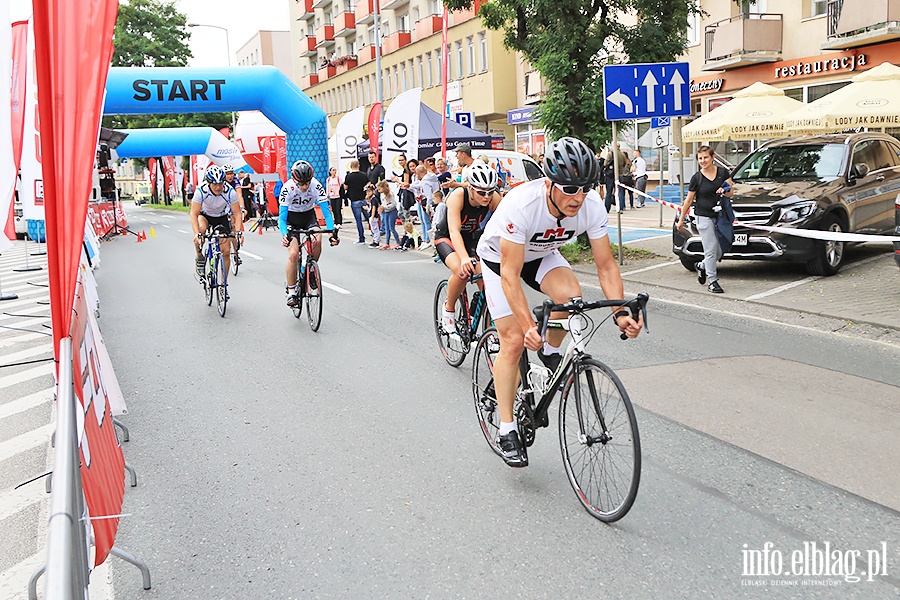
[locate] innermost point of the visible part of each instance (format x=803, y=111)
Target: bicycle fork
x=604, y=437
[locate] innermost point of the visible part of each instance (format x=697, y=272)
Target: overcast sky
x=242, y=18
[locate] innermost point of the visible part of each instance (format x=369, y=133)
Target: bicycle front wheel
x=313, y=287
x=451, y=343
x=598, y=436
x=298, y=307
x=210, y=280
x=234, y=262
x=486, y=408
x=221, y=287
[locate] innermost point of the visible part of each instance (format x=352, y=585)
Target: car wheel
x=829, y=255
x=689, y=263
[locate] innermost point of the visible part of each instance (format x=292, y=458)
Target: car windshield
x=808, y=161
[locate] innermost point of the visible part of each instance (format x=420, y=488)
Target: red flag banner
x=169, y=175
x=373, y=126
x=151, y=166
x=17, y=87
x=73, y=48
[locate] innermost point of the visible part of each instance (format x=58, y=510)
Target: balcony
x=741, y=41
x=393, y=4
x=325, y=35
x=308, y=80
x=304, y=6
x=365, y=11
x=346, y=63
x=308, y=46
x=320, y=3
x=396, y=40
x=326, y=72
x=344, y=24
x=853, y=23
x=366, y=54
x=427, y=26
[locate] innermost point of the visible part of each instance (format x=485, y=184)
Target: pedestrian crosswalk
x=26, y=416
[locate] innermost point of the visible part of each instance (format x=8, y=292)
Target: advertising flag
x=401, y=131
x=373, y=127
x=349, y=135
x=7, y=164
x=31, y=185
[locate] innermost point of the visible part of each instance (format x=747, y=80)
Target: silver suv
x=840, y=183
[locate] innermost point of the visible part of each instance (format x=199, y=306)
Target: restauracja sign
x=843, y=63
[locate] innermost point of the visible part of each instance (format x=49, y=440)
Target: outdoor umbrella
x=872, y=100
x=756, y=112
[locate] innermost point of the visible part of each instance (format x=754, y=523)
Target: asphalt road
x=274, y=462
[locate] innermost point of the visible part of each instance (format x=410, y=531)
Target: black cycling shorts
x=303, y=220
x=223, y=221
x=444, y=247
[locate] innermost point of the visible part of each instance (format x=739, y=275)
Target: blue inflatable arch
x=149, y=90
x=180, y=141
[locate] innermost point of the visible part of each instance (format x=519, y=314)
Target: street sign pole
x=662, y=183
x=678, y=143
x=615, y=158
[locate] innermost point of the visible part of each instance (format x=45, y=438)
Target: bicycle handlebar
x=637, y=306
x=309, y=231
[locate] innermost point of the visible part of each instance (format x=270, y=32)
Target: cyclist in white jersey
x=215, y=203
x=521, y=243
x=297, y=203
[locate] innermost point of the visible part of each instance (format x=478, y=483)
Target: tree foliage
x=151, y=33
x=569, y=41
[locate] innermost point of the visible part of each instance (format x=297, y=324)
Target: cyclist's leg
x=556, y=280
x=204, y=225
x=316, y=243
x=225, y=245
x=290, y=269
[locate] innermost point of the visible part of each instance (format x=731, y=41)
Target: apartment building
x=333, y=50
x=267, y=47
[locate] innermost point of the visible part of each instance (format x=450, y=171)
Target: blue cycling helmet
x=214, y=174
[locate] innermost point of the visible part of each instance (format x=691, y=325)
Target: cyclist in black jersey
x=457, y=235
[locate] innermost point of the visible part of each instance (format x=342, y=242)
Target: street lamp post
x=227, y=49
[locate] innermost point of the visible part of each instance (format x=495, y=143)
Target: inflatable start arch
x=149, y=90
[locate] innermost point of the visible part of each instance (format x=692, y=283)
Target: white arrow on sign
x=620, y=99
x=650, y=83
x=676, y=82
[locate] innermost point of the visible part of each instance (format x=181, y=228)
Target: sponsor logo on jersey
x=560, y=234
x=511, y=228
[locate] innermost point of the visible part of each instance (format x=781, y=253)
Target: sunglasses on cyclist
x=483, y=192
x=571, y=190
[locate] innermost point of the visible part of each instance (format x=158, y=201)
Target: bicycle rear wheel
x=313, y=288
x=598, y=436
x=298, y=308
x=453, y=346
x=221, y=287
x=210, y=280
x=486, y=407
x=234, y=262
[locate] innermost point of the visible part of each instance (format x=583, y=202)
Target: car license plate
x=740, y=239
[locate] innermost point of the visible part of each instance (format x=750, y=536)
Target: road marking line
x=674, y=262
x=26, y=289
x=183, y=231
x=7, y=305
x=18, y=339
x=26, y=441
x=24, y=324
x=30, y=352
x=806, y=280
x=169, y=217
x=23, y=311
x=167, y=226
x=408, y=262
x=17, y=378
x=15, y=579
x=26, y=403
x=15, y=501
x=337, y=289
x=251, y=255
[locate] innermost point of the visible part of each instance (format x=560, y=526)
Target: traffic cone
x=152, y=232
x=258, y=229
x=139, y=238
x=143, y=234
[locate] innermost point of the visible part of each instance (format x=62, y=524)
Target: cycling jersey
x=470, y=218
x=524, y=218
x=214, y=205
x=297, y=201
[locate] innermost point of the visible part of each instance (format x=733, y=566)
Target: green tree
x=569, y=41
x=151, y=33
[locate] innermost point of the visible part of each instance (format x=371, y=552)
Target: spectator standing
x=247, y=191
x=464, y=160
x=613, y=157
x=333, y=192
x=639, y=172
x=423, y=187
x=374, y=224
x=443, y=174
x=388, y=211
x=355, y=184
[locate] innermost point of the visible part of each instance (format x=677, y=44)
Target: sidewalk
x=863, y=298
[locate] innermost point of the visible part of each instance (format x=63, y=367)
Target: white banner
x=222, y=151
x=31, y=186
x=91, y=243
x=7, y=163
x=348, y=134
x=401, y=131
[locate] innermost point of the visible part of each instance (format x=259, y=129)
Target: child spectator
x=439, y=213
x=388, y=210
x=411, y=239
x=371, y=215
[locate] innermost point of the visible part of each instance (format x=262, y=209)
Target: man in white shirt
x=639, y=172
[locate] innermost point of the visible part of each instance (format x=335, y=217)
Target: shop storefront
x=529, y=134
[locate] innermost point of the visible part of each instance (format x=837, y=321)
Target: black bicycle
x=455, y=345
x=309, y=278
x=215, y=277
x=235, y=252
x=598, y=431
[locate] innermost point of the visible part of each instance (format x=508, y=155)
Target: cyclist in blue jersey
x=215, y=203
x=297, y=203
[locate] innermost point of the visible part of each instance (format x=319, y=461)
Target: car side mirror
x=858, y=171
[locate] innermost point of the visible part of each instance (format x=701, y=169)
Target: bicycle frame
x=475, y=310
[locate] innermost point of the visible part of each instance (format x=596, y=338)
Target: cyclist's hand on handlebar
x=285, y=241
x=466, y=269
x=198, y=240
x=533, y=339
x=334, y=240
x=629, y=327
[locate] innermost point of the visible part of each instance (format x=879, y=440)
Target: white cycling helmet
x=228, y=168
x=482, y=176
x=214, y=174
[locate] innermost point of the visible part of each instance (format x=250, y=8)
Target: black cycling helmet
x=302, y=171
x=568, y=161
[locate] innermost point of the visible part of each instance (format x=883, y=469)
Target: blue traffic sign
x=466, y=119
x=646, y=90
x=660, y=122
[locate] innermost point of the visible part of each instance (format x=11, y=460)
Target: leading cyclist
x=520, y=243
x=210, y=207
x=297, y=203
x=456, y=234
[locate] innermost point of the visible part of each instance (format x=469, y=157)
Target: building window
x=403, y=22
x=795, y=93
x=396, y=80
x=814, y=92
x=818, y=7
x=693, y=27
x=435, y=7
x=429, y=70
x=372, y=35
x=403, y=82
x=470, y=51
x=421, y=69
x=386, y=82
x=459, y=59
x=449, y=64
x=439, y=57
x=351, y=47
x=482, y=51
